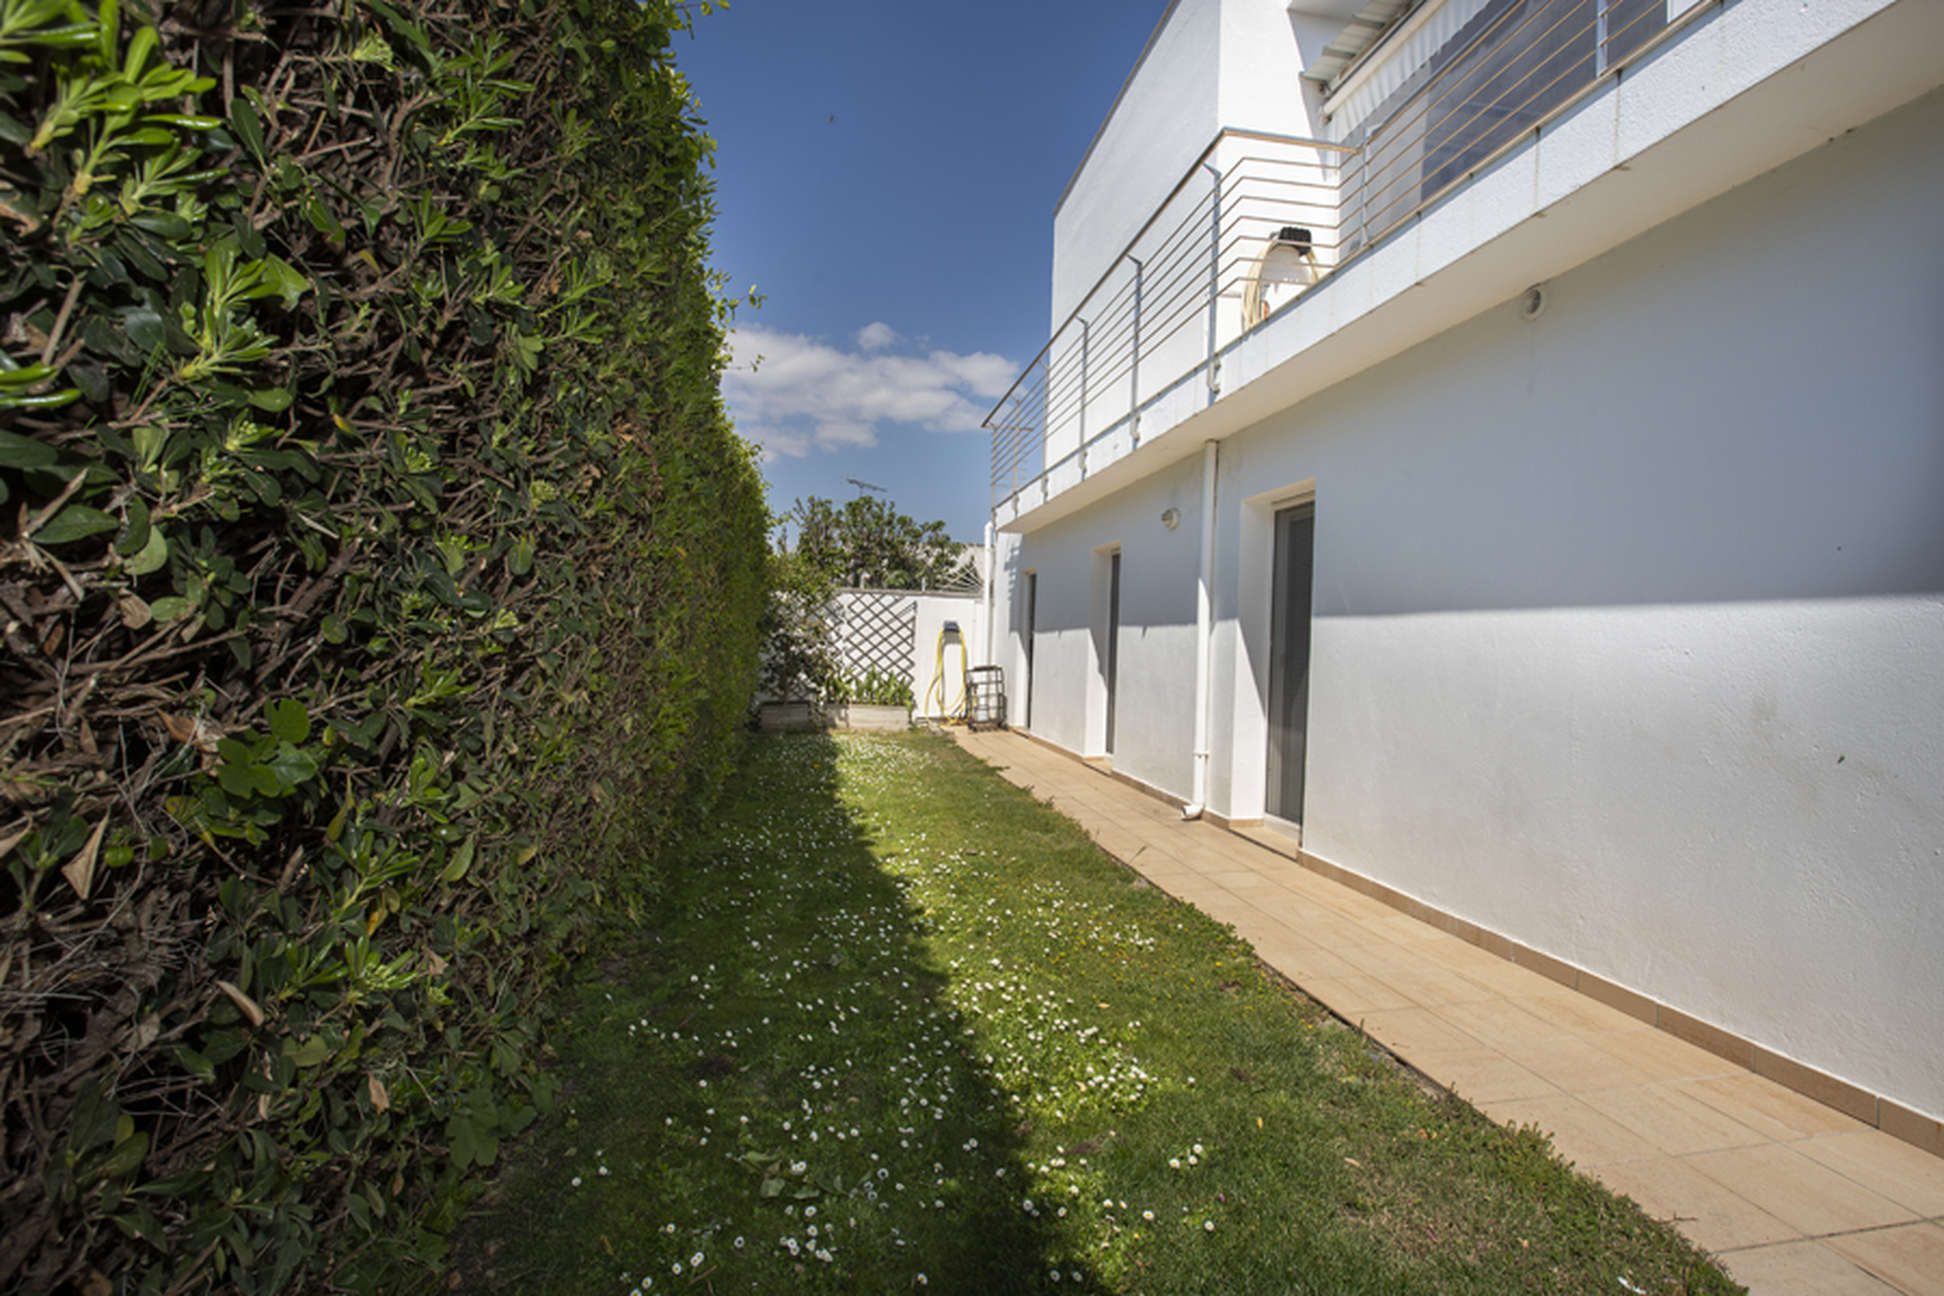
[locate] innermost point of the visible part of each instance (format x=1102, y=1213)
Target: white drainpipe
x=1204, y=630
x=991, y=570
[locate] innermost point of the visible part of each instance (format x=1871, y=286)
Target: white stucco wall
x=1157, y=627
x=1213, y=63
x=1165, y=116
x=1629, y=622
x=934, y=610
x=1265, y=45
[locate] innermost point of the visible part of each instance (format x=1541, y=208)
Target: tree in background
x=869, y=544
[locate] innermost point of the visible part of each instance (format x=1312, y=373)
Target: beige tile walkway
x=1796, y=1198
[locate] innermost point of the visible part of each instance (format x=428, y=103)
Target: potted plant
x=871, y=699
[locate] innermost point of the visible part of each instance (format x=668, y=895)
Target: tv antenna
x=863, y=486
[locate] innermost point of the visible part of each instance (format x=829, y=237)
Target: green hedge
x=380, y=581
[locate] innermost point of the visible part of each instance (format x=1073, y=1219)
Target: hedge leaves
x=379, y=580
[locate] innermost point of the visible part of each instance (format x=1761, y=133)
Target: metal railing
x=1159, y=307
x=1259, y=217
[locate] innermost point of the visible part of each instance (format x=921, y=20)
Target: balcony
x=1261, y=220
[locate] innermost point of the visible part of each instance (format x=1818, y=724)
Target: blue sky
x=886, y=175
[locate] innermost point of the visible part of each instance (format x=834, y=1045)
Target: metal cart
x=985, y=698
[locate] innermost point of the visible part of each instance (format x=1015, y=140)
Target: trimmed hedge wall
x=380, y=582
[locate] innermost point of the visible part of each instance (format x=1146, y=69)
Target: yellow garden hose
x=949, y=714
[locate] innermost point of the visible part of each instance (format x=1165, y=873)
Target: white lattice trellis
x=875, y=630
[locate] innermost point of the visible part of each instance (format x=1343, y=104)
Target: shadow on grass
x=768, y=1089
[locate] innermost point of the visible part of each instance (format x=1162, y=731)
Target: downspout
x=991, y=571
x=1204, y=630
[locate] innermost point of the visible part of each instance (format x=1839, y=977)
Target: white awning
x=1364, y=29
x=1366, y=85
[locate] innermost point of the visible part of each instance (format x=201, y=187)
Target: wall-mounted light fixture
x=1171, y=518
x=1533, y=304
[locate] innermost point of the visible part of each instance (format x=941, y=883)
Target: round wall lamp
x=1171, y=518
x=1533, y=304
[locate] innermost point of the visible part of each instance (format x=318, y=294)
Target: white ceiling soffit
x=1357, y=93
x=1364, y=25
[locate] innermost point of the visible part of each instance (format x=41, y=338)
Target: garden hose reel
x=981, y=700
x=950, y=711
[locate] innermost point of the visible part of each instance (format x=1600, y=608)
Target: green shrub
x=380, y=581
x=799, y=651
x=873, y=687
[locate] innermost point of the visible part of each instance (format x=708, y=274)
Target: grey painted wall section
x=1629, y=621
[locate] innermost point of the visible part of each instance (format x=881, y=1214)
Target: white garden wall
x=934, y=610
x=930, y=611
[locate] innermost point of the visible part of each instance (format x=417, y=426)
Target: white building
x=1501, y=442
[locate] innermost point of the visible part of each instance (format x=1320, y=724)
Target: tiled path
x=1794, y=1197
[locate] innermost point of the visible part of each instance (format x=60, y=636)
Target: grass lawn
x=902, y=1027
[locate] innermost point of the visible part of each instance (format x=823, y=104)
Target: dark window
x=1289, y=660
x=1516, y=62
x=1513, y=63
x=1032, y=613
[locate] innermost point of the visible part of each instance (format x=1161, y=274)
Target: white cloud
x=776, y=445
x=985, y=375
x=876, y=337
x=792, y=393
x=836, y=434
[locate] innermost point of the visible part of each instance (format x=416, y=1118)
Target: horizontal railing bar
x=1674, y=27
x=1438, y=92
x=1179, y=286
x=1435, y=91
x=1189, y=174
